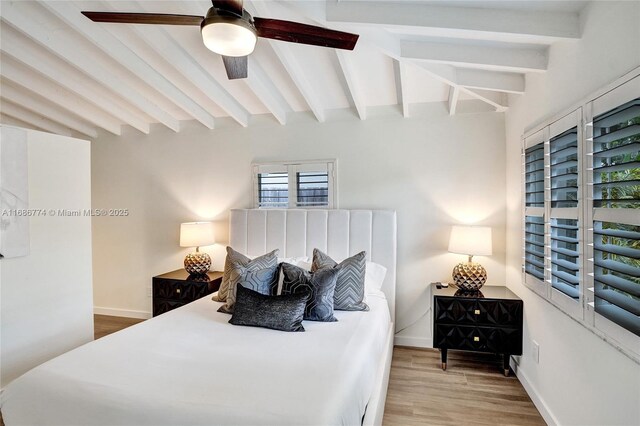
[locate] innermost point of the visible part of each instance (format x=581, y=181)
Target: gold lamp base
x=197, y=263
x=469, y=276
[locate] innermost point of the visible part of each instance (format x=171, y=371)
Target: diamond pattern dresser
x=177, y=288
x=486, y=321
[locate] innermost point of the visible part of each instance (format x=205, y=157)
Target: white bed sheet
x=190, y=367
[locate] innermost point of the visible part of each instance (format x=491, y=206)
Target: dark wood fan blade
x=234, y=6
x=144, y=18
x=236, y=66
x=296, y=32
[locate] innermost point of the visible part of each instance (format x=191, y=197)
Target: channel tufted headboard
x=339, y=233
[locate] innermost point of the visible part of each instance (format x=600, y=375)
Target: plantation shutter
x=294, y=185
x=565, y=215
x=271, y=186
x=534, y=178
x=313, y=183
x=615, y=197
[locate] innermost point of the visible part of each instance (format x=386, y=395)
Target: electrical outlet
x=148, y=291
x=535, y=351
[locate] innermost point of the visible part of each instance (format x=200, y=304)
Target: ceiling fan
x=229, y=30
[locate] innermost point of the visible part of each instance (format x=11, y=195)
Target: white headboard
x=339, y=233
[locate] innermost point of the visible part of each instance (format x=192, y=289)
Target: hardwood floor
x=105, y=324
x=471, y=392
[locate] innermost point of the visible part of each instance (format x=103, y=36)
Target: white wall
x=435, y=170
x=45, y=304
x=579, y=379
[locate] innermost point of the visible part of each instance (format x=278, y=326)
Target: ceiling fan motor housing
x=226, y=33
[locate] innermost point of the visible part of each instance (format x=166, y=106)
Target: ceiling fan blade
x=296, y=32
x=234, y=6
x=236, y=66
x=144, y=18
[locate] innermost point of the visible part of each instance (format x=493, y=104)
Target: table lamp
x=196, y=234
x=471, y=241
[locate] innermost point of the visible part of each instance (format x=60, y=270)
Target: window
x=616, y=239
x=581, y=221
x=295, y=185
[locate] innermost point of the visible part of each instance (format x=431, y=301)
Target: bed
x=190, y=367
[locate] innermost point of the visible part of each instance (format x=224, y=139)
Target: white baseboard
x=415, y=342
x=98, y=310
x=542, y=406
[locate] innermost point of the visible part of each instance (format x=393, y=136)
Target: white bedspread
x=190, y=367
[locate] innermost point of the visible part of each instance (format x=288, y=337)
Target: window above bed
x=295, y=184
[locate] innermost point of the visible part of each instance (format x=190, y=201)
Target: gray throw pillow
x=283, y=313
x=349, y=293
x=264, y=281
x=236, y=260
x=320, y=285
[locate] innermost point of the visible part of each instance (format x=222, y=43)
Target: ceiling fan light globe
x=229, y=39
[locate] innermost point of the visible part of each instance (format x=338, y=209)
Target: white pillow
x=304, y=264
x=374, y=277
x=293, y=260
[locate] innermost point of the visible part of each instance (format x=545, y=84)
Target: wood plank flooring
x=471, y=392
x=105, y=324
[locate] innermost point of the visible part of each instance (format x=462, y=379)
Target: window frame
x=581, y=115
x=292, y=168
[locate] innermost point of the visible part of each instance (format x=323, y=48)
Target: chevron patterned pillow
x=349, y=294
x=320, y=285
x=264, y=281
x=236, y=259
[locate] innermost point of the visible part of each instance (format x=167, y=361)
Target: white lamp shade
x=228, y=39
x=196, y=234
x=471, y=240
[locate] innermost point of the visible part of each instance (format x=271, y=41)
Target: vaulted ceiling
x=62, y=73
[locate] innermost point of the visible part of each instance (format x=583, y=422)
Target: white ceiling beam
x=475, y=79
x=355, y=88
x=47, y=110
x=519, y=59
x=315, y=13
x=447, y=75
x=31, y=81
x=491, y=80
x=454, y=93
x=84, y=62
x=260, y=83
x=459, y=19
x=11, y=121
x=293, y=67
x=167, y=47
x=496, y=99
x=18, y=48
x=23, y=114
x=400, y=70
x=104, y=40
x=298, y=75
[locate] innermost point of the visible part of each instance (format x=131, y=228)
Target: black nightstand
x=488, y=321
x=177, y=288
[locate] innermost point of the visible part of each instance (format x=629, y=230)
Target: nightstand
x=177, y=288
x=485, y=321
